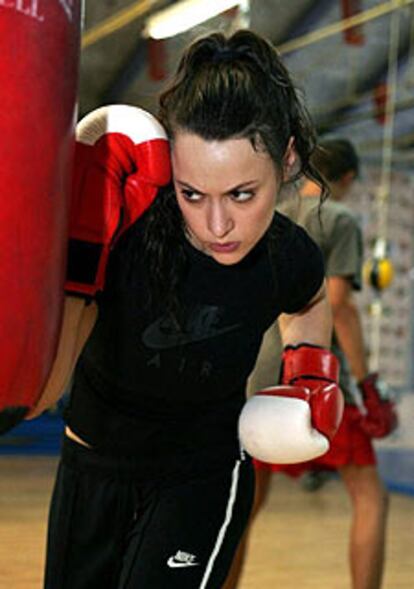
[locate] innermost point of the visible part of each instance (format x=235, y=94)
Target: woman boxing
x=154, y=489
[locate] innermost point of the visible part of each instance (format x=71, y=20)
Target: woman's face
x=226, y=192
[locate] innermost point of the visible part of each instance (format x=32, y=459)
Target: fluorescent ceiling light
x=184, y=15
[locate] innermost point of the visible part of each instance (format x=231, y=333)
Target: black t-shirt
x=143, y=386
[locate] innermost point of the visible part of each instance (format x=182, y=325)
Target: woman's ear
x=290, y=160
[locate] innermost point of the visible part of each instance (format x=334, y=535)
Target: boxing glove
x=295, y=421
x=378, y=416
x=121, y=160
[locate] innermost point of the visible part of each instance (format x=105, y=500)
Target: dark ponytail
x=164, y=250
x=238, y=87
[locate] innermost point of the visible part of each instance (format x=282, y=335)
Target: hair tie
x=225, y=55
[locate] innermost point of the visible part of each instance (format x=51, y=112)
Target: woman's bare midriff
x=69, y=433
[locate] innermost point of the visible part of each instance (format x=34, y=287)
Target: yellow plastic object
x=378, y=272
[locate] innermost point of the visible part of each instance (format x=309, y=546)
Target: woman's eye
x=191, y=195
x=242, y=195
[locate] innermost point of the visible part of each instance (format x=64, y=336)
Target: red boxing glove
x=295, y=421
x=378, y=414
x=121, y=160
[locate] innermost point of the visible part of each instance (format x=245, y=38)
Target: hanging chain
x=387, y=146
x=384, y=189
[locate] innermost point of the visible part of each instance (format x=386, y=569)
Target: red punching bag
x=38, y=80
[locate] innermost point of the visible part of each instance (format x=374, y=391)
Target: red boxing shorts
x=351, y=445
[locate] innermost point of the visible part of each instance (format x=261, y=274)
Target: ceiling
x=342, y=81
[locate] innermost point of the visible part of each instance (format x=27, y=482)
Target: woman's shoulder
x=286, y=232
x=291, y=243
x=297, y=262
x=133, y=238
x=126, y=257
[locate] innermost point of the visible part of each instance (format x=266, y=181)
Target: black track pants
x=110, y=530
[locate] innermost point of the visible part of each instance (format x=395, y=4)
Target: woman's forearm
x=348, y=330
x=77, y=323
x=312, y=325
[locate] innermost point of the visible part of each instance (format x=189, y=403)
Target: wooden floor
x=25, y=487
x=299, y=540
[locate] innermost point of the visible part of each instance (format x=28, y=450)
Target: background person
x=336, y=230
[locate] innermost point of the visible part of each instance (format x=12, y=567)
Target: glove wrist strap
x=308, y=362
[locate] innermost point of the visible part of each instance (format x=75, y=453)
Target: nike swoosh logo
x=174, y=564
x=160, y=339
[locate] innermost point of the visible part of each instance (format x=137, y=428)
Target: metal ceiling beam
x=137, y=59
x=342, y=25
x=132, y=67
x=118, y=21
x=350, y=119
x=333, y=118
